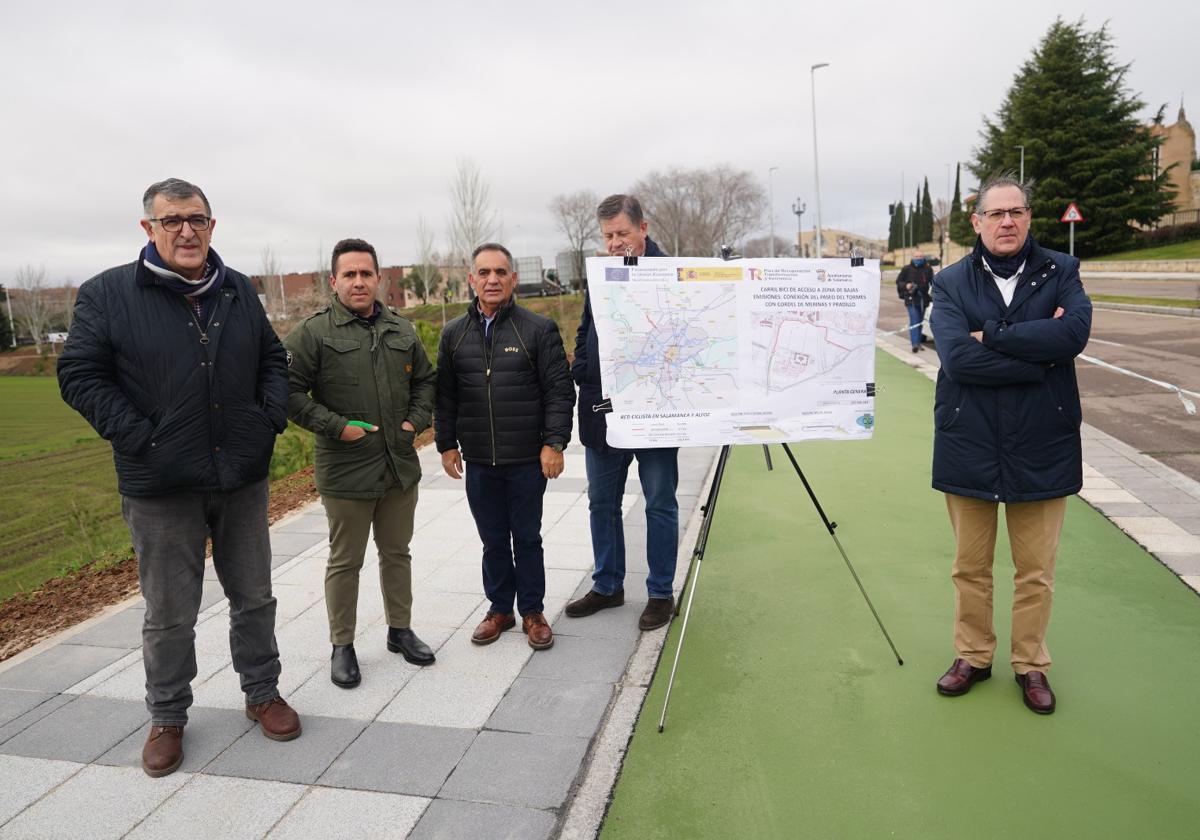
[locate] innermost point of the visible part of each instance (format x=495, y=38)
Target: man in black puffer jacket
x=505, y=396
x=172, y=359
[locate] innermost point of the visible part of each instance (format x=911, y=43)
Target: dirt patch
x=27, y=618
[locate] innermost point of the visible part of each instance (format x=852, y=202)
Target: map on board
x=701, y=352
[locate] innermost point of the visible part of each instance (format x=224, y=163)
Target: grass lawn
x=1181, y=303
x=1175, y=251
x=790, y=717
x=61, y=509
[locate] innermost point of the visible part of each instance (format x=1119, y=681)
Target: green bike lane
x=790, y=717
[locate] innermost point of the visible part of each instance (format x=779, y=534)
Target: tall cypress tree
x=960, y=225
x=894, y=227
x=926, y=215
x=1070, y=108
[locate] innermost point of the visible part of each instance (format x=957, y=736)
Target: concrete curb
x=606, y=756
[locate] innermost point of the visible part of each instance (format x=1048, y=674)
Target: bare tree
x=575, y=214
x=273, y=284
x=33, y=306
x=696, y=211
x=761, y=247
x=472, y=219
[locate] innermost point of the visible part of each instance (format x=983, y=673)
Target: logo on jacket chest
x=511, y=349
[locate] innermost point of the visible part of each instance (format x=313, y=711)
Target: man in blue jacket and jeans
x=1008, y=319
x=624, y=229
x=172, y=359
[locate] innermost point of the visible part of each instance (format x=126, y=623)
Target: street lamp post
x=1022, y=175
x=812, y=72
x=798, y=207
x=771, y=193
x=12, y=327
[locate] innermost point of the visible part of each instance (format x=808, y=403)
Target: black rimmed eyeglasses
x=174, y=224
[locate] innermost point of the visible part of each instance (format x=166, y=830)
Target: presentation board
x=706, y=352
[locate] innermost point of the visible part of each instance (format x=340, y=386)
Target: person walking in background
x=913, y=286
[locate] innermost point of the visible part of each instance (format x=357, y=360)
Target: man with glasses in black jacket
x=172, y=359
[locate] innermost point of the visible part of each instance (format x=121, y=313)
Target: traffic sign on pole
x=1072, y=214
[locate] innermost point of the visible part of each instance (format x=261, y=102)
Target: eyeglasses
x=1014, y=213
x=174, y=224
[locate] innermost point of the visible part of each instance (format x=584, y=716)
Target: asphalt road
x=1145, y=416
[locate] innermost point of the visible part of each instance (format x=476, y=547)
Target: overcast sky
x=308, y=122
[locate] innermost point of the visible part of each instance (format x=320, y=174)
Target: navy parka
x=1006, y=411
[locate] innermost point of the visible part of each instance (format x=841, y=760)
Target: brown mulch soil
x=27, y=618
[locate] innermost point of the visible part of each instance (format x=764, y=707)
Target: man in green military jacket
x=356, y=362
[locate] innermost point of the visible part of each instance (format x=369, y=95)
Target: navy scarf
x=1004, y=266
x=204, y=290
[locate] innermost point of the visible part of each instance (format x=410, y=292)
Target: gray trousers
x=169, y=534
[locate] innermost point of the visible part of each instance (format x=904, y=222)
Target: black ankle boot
x=343, y=667
x=404, y=641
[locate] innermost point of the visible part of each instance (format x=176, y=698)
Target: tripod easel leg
x=831, y=527
x=710, y=508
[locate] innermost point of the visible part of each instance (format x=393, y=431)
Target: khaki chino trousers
x=351, y=521
x=1033, y=532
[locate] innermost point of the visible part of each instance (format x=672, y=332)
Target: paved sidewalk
x=488, y=742
x=1155, y=505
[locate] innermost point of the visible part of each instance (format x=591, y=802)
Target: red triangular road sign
x=1072, y=214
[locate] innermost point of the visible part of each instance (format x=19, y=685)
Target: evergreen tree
x=915, y=223
x=5, y=327
x=1070, y=108
x=901, y=225
x=960, y=221
x=926, y=215
x=894, y=232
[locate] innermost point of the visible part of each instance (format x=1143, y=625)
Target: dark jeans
x=169, y=535
x=506, y=502
x=916, y=315
x=658, y=470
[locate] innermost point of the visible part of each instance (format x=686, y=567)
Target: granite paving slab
x=556, y=707
x=285, y=542
x=400, y=758
x=27, y=779
x=447, y=819
x=80, y=730
x=336, y=814
x=438, y=697
x=59, y=667
x=583, y=659
x=98, y=803
x=13, y=703
x=22, y=722
x=301, y=760
x=541, y=769
x=120, y=630
x=219, y=808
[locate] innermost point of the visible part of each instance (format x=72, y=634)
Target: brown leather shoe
x=538, y=631
x=492, y=626
x=277, y=720
x=961, y=676
x=657, y=613
x=1035, y=688
x=593, y=602
x=163, y=751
